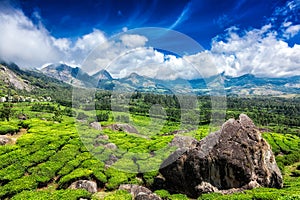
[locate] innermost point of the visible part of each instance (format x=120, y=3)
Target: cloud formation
x=25, y=43
x=257, y=52
x=261, y=51
x=133, y=40
x=31, y=45
x=182, y=17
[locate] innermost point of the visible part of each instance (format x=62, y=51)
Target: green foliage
x=82, y=116
x=103, y=116
x=69, y=112
x=77, y=174
x=8, y=129
x=12, y=172
x=53, y=195
x=43, y=107
x=17, y=185
x=52, y=154
x=178, y=197
x=119, y=195
x=57, y=114
x=164, y=194
x=6, y=111
x=116, y=178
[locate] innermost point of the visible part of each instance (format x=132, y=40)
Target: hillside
x=31, y=83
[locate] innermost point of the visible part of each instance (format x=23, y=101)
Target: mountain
x=67, y=74
x=31, y=83
x=9, y=78
x=246, y=84
x=103, y=75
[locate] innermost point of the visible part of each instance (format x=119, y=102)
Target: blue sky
x=201, y=20
x=232, y=32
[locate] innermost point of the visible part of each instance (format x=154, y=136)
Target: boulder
x=90, y=186
x=103, y=137
x=111, y=160
x=4, y=140
x=96, y=125
x=183, y=142
x=139, y=192
x=22, y=117
x=111, y=146
x=122, y=127
x=232, y=159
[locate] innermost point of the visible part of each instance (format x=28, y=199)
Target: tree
x=6, y=111
x=58, y=114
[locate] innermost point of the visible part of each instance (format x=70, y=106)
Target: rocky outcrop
x=183, y=142
x=111, y=146
x=4, y=140
x=11, y=78
x=96, y=125
x=139, y=192
x=111, y=160
x=90, y=186
x=122, y=127
x=234, y=158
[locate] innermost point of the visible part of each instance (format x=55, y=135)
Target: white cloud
x=258, y=52
x=125, y=29
x=204, y=64
x=286, y=24
x=133, y=41
x=23, y=42
x=90, y=41
x=63, y=44
x=291, y=31
x=31, y=45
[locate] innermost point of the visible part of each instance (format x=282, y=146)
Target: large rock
x=90, y=186
x=4, y=140
x=234, y=157
x=139, y=192
x=96, y=125
x=122, y=127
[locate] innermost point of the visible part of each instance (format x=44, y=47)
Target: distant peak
x=133, y=74
x=44, y=66
x=102, y=74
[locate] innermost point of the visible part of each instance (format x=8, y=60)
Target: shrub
x=8, y=129
x=119, y=195
x=296, y=173
x=178, y=197
x=164, y=194
x=12, y=172
x=77, y=174
x=122, y=118
x=18, y=185
x=116, y=178
x=82, y=116
x=53, y=195
x=103, y=116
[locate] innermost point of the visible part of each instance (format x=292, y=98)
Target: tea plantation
x=51, y=149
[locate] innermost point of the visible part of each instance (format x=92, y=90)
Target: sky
x=236, y=36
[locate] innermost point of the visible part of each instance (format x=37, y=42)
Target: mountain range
x=57, y=77
x=247, y=84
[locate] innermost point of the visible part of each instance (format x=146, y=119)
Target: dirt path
x=14, y=137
